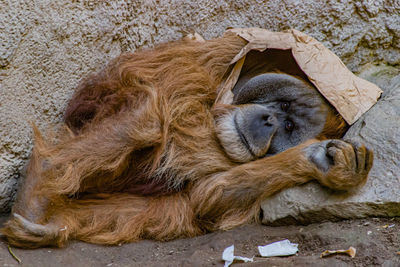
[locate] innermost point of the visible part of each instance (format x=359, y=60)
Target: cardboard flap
x=349, y=94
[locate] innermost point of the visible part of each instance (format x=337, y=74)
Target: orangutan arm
x=232, y=198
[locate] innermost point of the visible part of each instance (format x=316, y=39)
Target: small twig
x=13, y=255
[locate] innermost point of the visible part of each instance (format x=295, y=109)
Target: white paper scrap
x=280, y=248
x=228, y=256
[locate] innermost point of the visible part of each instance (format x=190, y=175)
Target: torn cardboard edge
x=350, y=95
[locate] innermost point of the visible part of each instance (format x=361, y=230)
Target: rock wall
x=47, y=46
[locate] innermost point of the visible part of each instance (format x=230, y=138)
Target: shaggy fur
x=140, y=158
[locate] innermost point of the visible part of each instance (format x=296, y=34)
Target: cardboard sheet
x=349, y=94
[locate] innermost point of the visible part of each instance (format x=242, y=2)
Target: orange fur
x=144, y=160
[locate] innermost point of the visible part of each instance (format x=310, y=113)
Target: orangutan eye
x=289, y=125
x=285, y=106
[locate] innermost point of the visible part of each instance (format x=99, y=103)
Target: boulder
x=378, y=129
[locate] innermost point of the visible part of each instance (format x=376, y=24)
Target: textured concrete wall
x=47, y=46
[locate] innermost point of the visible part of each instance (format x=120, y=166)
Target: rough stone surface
x=379, y=129
x=47, y=46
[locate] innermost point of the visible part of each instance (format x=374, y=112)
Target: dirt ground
x=377, y=241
